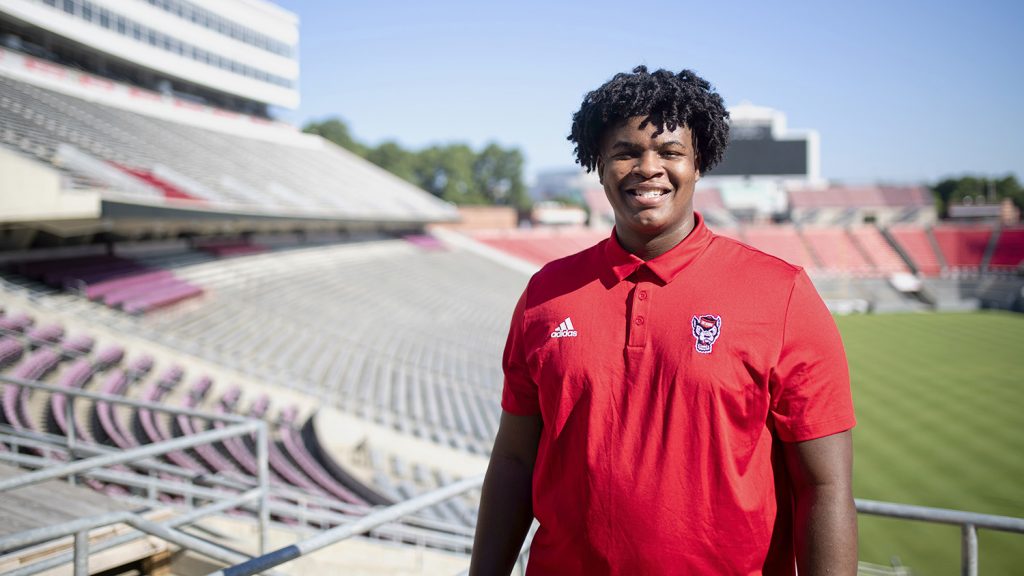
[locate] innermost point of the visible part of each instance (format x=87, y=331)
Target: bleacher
x=918, y=248
x=45, y=354
x=781, y=241
x=150, y=159
x=963, y=248
x=841, y=206
x=837, y=252
x=323, y=330
x=1008, y=253
x=542, y=245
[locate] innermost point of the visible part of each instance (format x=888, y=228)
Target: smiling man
x=694, y=415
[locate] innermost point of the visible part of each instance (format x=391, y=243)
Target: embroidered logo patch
x=706, y=329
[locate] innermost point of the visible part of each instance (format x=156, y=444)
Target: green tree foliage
x=953, y=191
x=498, y=174
x=447, y=172
x=453, y=172
x=335, y=130
x=392, y=157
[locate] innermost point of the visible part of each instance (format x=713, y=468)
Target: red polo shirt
x=665, y=387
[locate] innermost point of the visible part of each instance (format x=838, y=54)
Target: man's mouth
x=648, y=193
x=648, y=197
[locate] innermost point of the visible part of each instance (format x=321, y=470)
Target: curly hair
x=664, y=99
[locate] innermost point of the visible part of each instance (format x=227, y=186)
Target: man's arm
x=506, y=505
x=825, y=520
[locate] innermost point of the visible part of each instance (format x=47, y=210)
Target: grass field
x=940, y=409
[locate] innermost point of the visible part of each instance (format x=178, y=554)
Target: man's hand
x=506, y=502
x=825, y=522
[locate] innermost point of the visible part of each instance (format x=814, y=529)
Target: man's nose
x=648, y=165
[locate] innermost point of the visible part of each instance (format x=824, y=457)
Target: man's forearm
x=826, y=531
x=506, y=512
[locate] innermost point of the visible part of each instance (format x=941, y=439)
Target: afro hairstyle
x=662, y=98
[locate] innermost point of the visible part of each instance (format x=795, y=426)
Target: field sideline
x=940, y=409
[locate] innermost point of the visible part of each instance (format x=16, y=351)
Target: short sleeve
x=810, y=386
x=519, y=394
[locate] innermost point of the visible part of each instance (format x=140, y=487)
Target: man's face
x=649, y=181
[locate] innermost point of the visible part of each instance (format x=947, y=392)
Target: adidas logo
x=564, y=330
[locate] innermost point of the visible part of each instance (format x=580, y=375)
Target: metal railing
x=969, y=523
x=361, y=526
x=97, y=460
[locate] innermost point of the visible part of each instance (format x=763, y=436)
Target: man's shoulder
x=744, y=258
x=566, y=274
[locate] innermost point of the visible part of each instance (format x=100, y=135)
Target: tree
x=447, y=172
x=498, y=175
x=453, y=172
x=953, y=191
x=336, y=130
x=390, y=156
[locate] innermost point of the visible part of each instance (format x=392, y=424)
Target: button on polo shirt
x=664, y=407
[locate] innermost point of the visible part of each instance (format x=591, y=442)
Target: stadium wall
x=30, y=191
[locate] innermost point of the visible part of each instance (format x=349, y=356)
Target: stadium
x=227, y=346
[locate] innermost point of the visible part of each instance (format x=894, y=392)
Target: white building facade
x=246, y=49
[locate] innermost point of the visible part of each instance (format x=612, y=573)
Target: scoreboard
x=753, y=151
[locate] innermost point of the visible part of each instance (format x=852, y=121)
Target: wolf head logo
x=706, y=329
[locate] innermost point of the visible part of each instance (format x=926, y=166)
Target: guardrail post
x=82, y=553
x=969, y=550
x=70, y=436
x=263, y=465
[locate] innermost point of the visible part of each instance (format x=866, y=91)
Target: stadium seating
x=324, y=330
x=962, y=248
x=917, y=245
x=104, y=425
x=117, y=282
x=781, y=241
x=840, y=206
x=878, y=250
x=1009, y=251
x=837, y=252
x=158, y=160
x=542, y=245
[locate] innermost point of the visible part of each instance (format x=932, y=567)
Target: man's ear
x=600, y=170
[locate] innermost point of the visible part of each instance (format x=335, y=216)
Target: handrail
x=124, y=401
x=940, y=515
x=364, y=524
x=236, y=426
x=969, y=523
x=79, y=466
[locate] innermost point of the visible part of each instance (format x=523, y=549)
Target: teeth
x=650, y=194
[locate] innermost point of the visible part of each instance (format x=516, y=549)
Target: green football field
x=940, y=410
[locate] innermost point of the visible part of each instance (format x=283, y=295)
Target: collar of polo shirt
x=666, y=267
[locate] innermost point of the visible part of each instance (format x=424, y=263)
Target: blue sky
x=900, y=91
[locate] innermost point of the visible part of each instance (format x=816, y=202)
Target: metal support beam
x=263, y=465
x=184, y=519
x=364, y=524
x=70, y=436
x=127, y=455
x=82, y=553
x=969, y=550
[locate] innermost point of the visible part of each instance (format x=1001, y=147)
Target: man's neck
x=652, y=247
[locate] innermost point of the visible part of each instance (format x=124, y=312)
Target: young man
x=675, y=402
